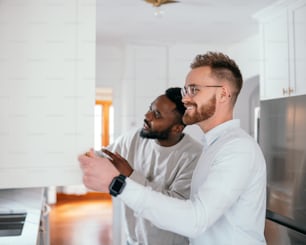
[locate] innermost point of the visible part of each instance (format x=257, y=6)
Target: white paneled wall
x=181, y=56
x=139, y=73
x=47, y=87
x=247, y=56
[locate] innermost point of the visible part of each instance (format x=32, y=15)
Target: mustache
x=190, y=104
x=147, y=123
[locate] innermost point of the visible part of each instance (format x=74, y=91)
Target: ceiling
x=189, y=21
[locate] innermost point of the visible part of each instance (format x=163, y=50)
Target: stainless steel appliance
x=282, y=137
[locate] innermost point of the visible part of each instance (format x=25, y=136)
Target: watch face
x=117, y=185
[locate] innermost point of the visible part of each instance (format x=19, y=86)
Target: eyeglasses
x=192, y=90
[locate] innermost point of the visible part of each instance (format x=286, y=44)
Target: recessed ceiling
x=188, y=21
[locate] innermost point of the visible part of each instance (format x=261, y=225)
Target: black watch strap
x=117, y=185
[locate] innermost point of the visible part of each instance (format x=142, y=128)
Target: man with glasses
x=162, y=157
x=227, y=202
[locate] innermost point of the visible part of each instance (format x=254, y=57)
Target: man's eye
x=194, y=90
x=156, y=114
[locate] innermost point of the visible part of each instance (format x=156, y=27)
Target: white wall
x=247, y=101
x=138, y=73
x=247, y=55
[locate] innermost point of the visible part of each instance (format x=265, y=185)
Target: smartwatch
x=117, y=185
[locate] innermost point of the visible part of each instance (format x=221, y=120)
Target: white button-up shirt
x=228, y=193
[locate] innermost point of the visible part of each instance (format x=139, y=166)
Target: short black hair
x=174, y=94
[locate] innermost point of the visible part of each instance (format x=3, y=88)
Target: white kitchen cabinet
x=275, y=72
x=282, y=31
x=47, y=90
x=298, y=20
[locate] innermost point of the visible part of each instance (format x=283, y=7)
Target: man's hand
x=97, y=172
x=120, y=163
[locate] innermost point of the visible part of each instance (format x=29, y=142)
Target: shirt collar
x=212, y=135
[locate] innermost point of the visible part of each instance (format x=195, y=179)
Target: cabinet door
x=276, y=56
x=47, y=70
x=299, y=48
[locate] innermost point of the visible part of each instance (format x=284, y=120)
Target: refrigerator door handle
x=282, y=220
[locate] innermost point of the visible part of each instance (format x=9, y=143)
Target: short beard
x=204, y=113
x=164, y=135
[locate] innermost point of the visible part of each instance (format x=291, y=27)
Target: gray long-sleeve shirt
x=164, y=169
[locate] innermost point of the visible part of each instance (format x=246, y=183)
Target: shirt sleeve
x=180, y=186
x=227, y=179
x=143, y=201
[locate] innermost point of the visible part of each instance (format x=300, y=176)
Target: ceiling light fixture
x=157, y=3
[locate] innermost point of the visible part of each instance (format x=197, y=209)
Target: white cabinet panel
x=283, y=34
x=276, y=59
x=299, y=32
x=47, y=91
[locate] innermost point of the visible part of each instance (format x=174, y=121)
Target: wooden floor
x=81, y=220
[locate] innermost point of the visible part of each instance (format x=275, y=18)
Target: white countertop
x=29, y=200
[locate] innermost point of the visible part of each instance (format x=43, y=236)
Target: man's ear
x=224, y=94
x=178, y=128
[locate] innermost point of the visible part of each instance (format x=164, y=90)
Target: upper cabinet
x=47, y=91
x=283, y=49
x=298, y=22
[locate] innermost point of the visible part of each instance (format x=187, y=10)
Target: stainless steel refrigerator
x=282, y=137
